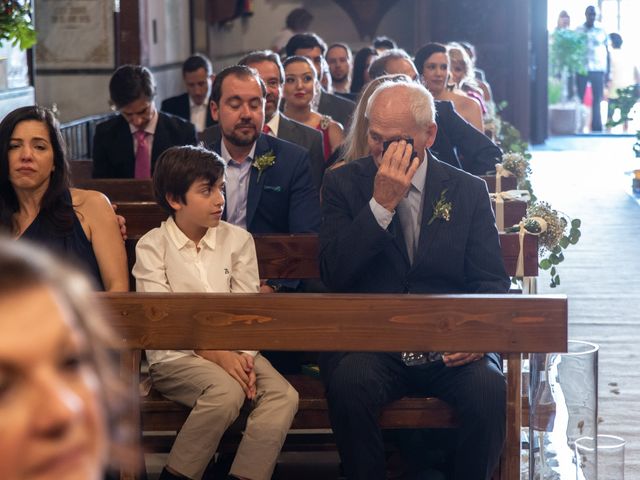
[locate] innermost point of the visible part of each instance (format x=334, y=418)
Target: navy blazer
x=457, y=256
x=284, y=200
x=113, y=155
x=458, y=138
x=179, y=106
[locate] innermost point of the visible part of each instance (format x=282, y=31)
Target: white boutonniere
x=264, y=161
x=441, y=209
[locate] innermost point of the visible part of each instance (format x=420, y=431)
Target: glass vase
x=563, y=406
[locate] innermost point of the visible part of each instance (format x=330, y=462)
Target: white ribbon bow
x=500, y=198
x=523, y=231
x=501, y=172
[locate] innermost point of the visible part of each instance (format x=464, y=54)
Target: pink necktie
x=143, y=156
x=266, y=129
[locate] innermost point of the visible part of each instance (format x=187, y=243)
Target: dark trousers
x=596, y=79
x=358, y=385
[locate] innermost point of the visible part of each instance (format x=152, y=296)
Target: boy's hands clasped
x=237, y=364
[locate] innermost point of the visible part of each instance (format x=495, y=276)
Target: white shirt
x=597, y=41
x=274, y=124
x=198, y=114
x=167, y=261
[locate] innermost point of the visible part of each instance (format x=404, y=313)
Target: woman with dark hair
x=63, y=409
x=301, y=85
x=36, y=202
x=432, y=63
x=361, y=63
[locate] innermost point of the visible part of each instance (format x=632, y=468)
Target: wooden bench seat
x=135, y=190
x=311, y=322
x=296, y=256
x=144, y=216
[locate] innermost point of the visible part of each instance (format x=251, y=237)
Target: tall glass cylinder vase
x=563, y=406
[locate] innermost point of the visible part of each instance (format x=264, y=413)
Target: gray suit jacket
x=291, y=131
x=338, y=108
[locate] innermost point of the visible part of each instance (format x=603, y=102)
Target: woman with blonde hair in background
x=462, y=74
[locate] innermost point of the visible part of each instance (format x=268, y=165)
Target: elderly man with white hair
x=398, y=221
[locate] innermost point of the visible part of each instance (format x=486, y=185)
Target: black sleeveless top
x=73, y=245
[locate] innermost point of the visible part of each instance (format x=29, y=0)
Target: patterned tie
x=266, y=129
x=143, y=156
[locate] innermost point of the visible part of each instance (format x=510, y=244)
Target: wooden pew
x=132, y=190
x=296, y=256
x=142, y=216
x=511, y=324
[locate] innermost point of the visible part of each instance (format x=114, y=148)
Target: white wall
x=331, y=22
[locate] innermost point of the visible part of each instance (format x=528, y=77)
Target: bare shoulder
x=336, y=126
x=89, y=201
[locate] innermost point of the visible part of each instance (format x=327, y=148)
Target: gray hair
x=355, y=143
x=420, y=101
x=379, y=66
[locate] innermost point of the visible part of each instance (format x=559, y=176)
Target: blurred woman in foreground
x=61, y=405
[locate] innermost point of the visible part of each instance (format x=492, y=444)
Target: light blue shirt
x=409, y=210
x=237, y=186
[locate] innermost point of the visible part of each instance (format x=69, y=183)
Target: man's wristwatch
x=275, y=286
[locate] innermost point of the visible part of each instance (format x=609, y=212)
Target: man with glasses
x=128, y=145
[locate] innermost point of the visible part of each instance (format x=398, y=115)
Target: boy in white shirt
x=194, y=251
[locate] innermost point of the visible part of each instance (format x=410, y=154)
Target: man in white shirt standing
x=596, y=63
x=193, y=106
x=194, y=251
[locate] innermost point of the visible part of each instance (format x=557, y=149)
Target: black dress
x=73, y=245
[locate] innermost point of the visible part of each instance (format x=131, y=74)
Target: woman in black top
x=37, y=203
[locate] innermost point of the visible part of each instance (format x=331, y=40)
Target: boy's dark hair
x=384, y=42
x=240, y=71
x=196, y=62
x=304, y=40
x=263, y=56
x=178, y=167
x=129, y=83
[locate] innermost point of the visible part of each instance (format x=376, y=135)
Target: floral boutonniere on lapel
x=264, y=161
x=441, y=209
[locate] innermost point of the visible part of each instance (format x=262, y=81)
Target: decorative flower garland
x=542, y=220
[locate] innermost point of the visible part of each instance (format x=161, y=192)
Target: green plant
x=551, y=228
x=627, y=98
x=554, y=90
x=16, y=23
x=568, y=52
